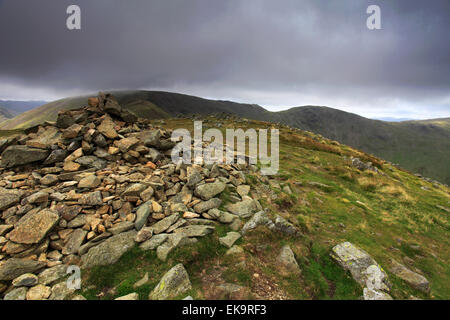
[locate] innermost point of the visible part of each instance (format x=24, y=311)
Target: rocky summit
x=86, y=189
x=97, y=190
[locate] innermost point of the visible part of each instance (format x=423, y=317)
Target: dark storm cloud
x=279, y=53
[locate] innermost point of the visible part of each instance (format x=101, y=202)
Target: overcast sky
x=278, y=54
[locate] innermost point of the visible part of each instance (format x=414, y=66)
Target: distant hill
x=5, y=114
x=16, y=107
x=419, y=146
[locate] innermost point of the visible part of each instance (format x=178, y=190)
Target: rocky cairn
x=87, y=188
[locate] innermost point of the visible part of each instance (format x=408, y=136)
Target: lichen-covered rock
x=363, y=268
x=195, y=230
x=286, y=227
x=165, y=223
x=51, y=275
x=142, y=214
x=287, y=262
x=7, y=200
x=25, y=280
x=109, y=251
x=39, y=292
x=154, y=242
x=207, y=205
x=14, y=267
x=174, y=283
x=34, y=226
x=244, y=209
x=209, y=190
x=230, y=239
x=259, y=219
x=16, y=294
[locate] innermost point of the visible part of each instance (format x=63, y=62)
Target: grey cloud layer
x=257, y=51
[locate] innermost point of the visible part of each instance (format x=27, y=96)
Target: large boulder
x=363, y=268
x=109, y=251
x=34, y=226
x=19, y=155
x=174, y=283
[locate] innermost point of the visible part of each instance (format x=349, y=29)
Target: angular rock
x=7, y=200
x=414, y=279
x=91, y=181
x=107, y=128
x=369, y=294
x=14, y=267
x=174, y=283
x=142, y=214
x=74, y=242
x=49, y=179
x=34, y=226
x=230, y=239
x=60, y=291
x=363, y=268
x=51, y=275
x=25, y=280
x=259, y=219
x=286, y=227
x=144, y=234
x=195, y=231
x=46, y=139
x=37, y=197
x=121, y=227
x=130, y=296
x=209, y=190
x=243, y=190
x=154, y=242
x=19, y=155
x=16, y=294
x=134, y=190
x=243, y=209
x=72, y=131
x=39, y=292
x=56, y=156
x=165, y=223
x=286, y=260
x=173, y=241
x=126, y=143
x=91, y=199
x=109, y=251
x=207, y=205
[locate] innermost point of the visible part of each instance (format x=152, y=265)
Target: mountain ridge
x=419, y=146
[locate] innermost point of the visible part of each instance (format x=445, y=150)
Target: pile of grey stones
x=97, y=182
